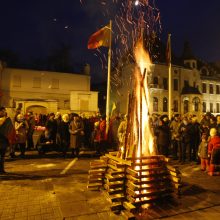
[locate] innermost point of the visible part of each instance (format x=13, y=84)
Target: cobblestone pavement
x=36, y=188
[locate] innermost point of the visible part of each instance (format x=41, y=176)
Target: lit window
x=186, y=106
x=210, y=88
x=165, y=83
x=211, y=107
x=196, y=102
x=217, y=107
x=204, y=88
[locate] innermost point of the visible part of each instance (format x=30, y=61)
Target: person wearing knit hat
x=214, y=151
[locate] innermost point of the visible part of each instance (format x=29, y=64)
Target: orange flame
x=143, y=61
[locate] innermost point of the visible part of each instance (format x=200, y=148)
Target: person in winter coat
x=163, y=136
x=64, y=134
x=76, y=131
x=96, y=138
x=51, y=126
x=203, y=153
x=21, y=128
x=7, y=136
x=195, y=139
x=45, y=143
x=185, y=138
x=175, y=136
x=214, y=152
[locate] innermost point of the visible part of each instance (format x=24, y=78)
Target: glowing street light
x=136, y=3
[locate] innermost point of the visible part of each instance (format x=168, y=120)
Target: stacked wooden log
x=130, y=184
x=148, y=180
x=97, y=174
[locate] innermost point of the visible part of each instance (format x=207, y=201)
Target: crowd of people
x=182, y=138
x=186, y=139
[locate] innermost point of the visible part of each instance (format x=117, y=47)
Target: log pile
x=130, y=184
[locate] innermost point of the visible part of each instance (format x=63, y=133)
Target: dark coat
x=163, y=135
x=185, y=133
x=64, y=133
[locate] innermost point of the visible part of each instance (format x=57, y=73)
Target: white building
x=44, y=91
x=195, y=87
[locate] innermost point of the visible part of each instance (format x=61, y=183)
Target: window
x=203, y=87
x=175, y=84
x=204, y=106
x=211, y=107
x=165, y=104
x=16, y=81
x=186, y=106
x=211, y=89
x=217, y=89
x=155, y=80
x=186, y=83
x=55, y=84
x=155, y=104
x=165, y=83
x=217, y=107
x=196, y=102
x=36, y=82
x=175, y=106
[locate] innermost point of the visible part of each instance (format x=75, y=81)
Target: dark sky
x=34, y=28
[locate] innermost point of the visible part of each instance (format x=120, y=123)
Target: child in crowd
x=203, y=153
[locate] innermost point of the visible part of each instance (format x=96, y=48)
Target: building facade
x=42, y=91
x=195, y=88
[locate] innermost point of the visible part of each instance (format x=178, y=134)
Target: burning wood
x=142, y=176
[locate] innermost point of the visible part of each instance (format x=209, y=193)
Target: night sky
x=33, y=29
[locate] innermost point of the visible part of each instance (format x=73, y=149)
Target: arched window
x=155, y=104
x=196, y=102
x=165, y=104
x=186, y=106
x=155, y=80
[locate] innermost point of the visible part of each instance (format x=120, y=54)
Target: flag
x=168, y=50
x=100, y=38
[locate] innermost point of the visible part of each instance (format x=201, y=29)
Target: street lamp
x=136, y=3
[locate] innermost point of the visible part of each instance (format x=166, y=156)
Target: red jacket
x=214, y=143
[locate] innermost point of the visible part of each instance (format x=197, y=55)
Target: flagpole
x=170, y=78
x=108, y=79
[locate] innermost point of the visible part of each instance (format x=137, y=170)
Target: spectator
x=163, y=136
x=51, y=126
x=175, y=136
x=203, y=153
x=58, y=119
x=185, y=138
x=31, y=126
x=45, y=143
x=195, y=134
x=76, y=131
x=21, y=128
x=7, y=136
x=214, y=152
x=64, y=134
x=96, y=138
